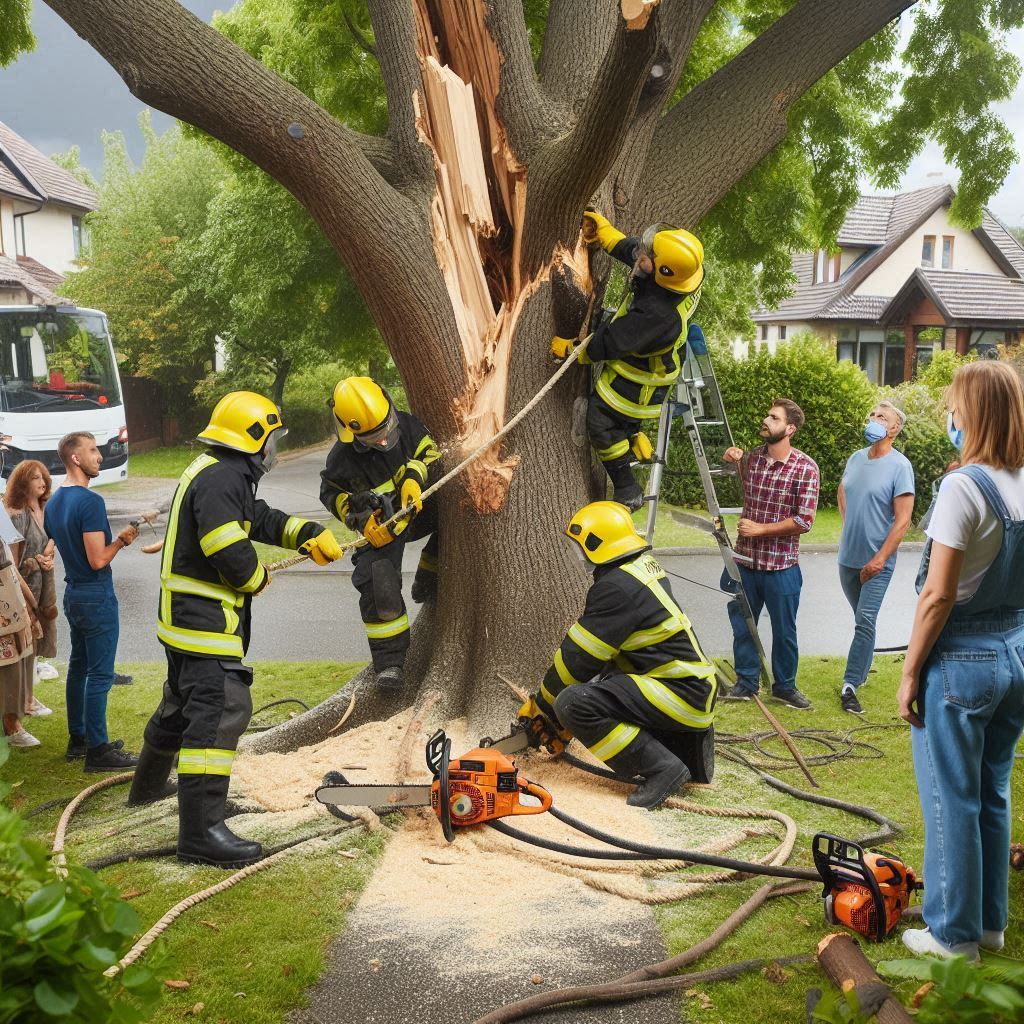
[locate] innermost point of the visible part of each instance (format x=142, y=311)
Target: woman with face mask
x=963, y=679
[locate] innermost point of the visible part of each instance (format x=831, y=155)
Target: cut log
x=845, y=965
x=637, y=12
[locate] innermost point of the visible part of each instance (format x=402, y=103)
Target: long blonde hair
x=988, y=398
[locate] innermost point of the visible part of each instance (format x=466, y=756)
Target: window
x=878, y=354
x=826, y=267
x=929, y=341
x=895, y=351
x=19, y=236
x=76, y=234
x=782, y=332
x=928, y=251
x=869, y=356
x=947, y=252
x=984, y=342
x=764, y=332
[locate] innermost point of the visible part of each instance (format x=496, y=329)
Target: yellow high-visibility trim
x=341, y=504
x=638, y=376
x=198, y=641
x=615, y=451
x=593, y=645
x=624, y=405
x=221, y=537
x=247, y=526
x=200, y=588
x=669, y=703
x=382, y=630
x=563, y=672
x=615, y=742
x=254, y=581
x=547, y=694
x=645, y=570
x=209, y=761
x=385, y=488
x=655, y=635
x=427, y=450
x=418, y=468
x=290, y=534
x=428, y=562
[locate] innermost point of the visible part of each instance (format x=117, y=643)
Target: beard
x=91, y=472
x=770, y=437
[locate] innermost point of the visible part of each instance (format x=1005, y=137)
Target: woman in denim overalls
x=963, y=679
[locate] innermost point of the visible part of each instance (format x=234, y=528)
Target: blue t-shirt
x=71, y=512
x=870, y=485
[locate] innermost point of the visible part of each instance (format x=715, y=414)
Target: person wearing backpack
x=962, y=688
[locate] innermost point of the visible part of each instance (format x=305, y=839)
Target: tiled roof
x=1004, y=241
x=44, y=275
x=856, y=307
x=34, y=176
x=964, y=296
x=12, y=273
x=867, y=221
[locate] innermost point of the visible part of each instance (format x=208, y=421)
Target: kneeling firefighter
x=641, y=346
x=630, y=680
x=209, y=574
x=380, y=463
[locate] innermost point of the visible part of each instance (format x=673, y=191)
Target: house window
x=764, y=332
x=782, y=332
x=928, y=251
x=929, y=341
x=984, y=342
x=19, y=236
x=947, y=252
x=76, y=234
x=819, y=266
x=880, y=356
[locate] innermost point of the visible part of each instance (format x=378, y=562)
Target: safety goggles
x=271, y=447
x=382, y=438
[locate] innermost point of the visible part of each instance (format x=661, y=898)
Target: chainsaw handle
x=539, y=792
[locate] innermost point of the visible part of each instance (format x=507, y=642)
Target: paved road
x=312, y=613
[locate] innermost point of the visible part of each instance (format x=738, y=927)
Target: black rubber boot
x=151, y=774
x=424, y=586
x=203, y=838
x=626, y=490
x=390, y=680
x=695, y=749
x=663, y=773
x=632, y=497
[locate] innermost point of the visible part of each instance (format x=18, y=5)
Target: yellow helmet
x=678, y=258
x=361, y=409
x=605, y=532
x=242, y=421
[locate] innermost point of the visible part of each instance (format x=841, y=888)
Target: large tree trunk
x=461, y=229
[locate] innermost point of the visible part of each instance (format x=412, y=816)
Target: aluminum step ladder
x=696, y=399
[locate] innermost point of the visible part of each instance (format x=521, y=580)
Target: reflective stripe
x=669, y=703
x=418, y=468
x=679, y=669
x=614, y=451
x=385, y=488
x=593, y=645
x=340, y=504
x=198, y=641
x=615, y=742
x=563, y=672
x=200, y=588
x=290, y=534
x=211, y=761
x=428, y=450
x=428, y=563
x=254, y=581
x=611, y=397
x=645, y=569
x=547, y=695
x=638, y=376
x=382, y=630
x=222, y=537
x=655, y=635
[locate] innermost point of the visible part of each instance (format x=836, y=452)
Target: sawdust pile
x=494, y=891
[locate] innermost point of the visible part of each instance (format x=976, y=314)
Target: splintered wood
x=476, y=220
x=637, y=12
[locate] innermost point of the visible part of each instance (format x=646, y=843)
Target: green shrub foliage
x=58, y=935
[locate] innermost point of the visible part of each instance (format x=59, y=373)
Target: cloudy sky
x=65, y=94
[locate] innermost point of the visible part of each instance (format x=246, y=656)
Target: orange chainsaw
x=482, y=785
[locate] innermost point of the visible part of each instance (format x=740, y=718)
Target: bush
x=58, y=935
x=928, y=448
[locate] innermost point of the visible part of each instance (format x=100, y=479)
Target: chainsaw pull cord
x=466, y=462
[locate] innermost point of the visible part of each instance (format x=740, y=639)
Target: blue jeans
x=92, y=614
x=972, y=700
x=780, y=593
x=865, y=600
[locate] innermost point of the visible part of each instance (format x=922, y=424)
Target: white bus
x=58, y=374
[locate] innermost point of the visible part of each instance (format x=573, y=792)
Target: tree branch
x=731, y=121
x=566, y=173
x=577, y=36
x=357, y=34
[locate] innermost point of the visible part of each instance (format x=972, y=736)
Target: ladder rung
x=731, y=511
x=710, y=423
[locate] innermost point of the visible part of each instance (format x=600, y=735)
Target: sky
x=65, y=94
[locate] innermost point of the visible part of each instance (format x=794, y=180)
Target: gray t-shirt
x=870, y=485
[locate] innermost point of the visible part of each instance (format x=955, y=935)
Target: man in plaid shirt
x=780, y=498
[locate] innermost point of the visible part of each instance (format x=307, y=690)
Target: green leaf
x=43, y=908
x=98, y=957
x=919, y=970
x=57, y=1003
x=136, y=976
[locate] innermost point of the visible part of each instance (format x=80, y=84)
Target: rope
x=196, y=898
x=60, y=861
x=402, y=513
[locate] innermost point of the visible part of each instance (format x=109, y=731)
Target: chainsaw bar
x=515, y=742
x=380, y=795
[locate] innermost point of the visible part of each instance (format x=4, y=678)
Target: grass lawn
x=165, y=462
x=266, y=938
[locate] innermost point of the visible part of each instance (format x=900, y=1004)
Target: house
x=41, y=212
x=905, y=283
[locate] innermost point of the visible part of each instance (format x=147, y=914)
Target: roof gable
x=13, y=273
x=25, y=173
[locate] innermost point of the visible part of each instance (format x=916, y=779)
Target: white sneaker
x=44, y=670
x=23, y=738
x=38, y=709
x=992, y=941
x=923, y=943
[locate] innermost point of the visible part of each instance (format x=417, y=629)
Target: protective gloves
x=411, y=494
x=597, y=228
x=541, y=731
x=641, y=446
x=376, y=532
x=264, y=583
x=322, y=548
x=562, y=348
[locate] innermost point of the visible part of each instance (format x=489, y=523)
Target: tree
x=460, y=223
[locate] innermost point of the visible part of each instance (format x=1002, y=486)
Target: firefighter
x=630, y=680
x=209, y=574
x=379, y=464
x=641, y=346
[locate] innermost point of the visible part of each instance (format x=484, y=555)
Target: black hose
x=59, y=801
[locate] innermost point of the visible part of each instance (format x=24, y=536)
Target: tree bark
x=280, y=377
x=843, y=962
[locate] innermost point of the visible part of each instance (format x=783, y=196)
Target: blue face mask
x=875, y=431
x=956, y=435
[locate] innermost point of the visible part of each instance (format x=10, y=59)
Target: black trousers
x=377, y=575
x=206, y=707
x=610, y=434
